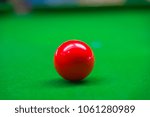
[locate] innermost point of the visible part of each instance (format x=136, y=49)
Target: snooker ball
x=74, y=60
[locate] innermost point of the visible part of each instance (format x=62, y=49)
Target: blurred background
x=25, y=6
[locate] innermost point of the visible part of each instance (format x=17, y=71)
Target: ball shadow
x=61, y=83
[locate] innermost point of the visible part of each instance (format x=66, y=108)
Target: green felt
x=119, y=37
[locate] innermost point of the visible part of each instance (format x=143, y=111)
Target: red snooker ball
x=74, y=60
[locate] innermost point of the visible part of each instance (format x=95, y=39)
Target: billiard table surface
x=119, y=38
